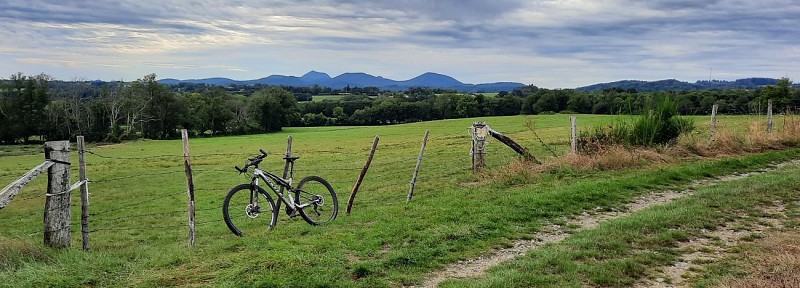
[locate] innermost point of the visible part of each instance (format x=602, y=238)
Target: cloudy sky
x=548, y=43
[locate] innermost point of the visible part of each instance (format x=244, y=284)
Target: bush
x=657, y=125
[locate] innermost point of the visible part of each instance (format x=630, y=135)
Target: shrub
x=657, y=125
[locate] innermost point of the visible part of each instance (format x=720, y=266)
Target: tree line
x=38, y=108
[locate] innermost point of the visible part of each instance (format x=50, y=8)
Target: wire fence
x=127, y=200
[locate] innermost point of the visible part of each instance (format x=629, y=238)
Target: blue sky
x=548, y=43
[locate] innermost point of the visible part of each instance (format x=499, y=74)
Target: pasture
x=138, y=208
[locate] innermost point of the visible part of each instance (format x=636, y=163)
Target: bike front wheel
x=319, y=199
x=246, y=212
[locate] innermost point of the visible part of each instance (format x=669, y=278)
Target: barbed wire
x=52, y=230
x=133, y=158
x=197, y=223
x=135, y=216
x=106, y=180
x=163, y=155
x=133, y=204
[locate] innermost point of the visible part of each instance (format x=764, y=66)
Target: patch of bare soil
x=555, y=233
x=714, y=245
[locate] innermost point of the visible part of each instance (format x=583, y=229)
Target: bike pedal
x=292, y=213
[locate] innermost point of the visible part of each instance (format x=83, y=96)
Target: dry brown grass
x=610, y=158
x=785, y=134
x=773, y=261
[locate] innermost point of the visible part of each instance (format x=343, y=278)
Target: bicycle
x=244, y=203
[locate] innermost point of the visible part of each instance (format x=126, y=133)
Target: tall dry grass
x=773, y=261
x=785, y=134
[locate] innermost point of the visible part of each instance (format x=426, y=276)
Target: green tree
x=273, y=108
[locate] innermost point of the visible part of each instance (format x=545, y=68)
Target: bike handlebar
x=252, y=161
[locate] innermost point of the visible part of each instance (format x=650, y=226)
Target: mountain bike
x=248, y=207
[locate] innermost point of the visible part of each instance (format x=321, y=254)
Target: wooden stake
x=285, y=168
x=363, y=173
x=714, y=121
x=419, y=163
x=769, y=116
x=189, y=184
x=84, y=193
x=573, y=134
x=57, y=212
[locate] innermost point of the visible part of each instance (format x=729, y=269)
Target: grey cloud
x=614, y=35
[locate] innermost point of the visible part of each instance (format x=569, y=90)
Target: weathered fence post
x=363, y=173
x=419, y=163
x=573, y=142
x=189, y=184
x=769, y=116
x=57, y=212
x=285, y=168
x=84, y=193
x=714, y=121
x=479, y=133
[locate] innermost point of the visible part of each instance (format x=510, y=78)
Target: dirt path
x=554, y=233
x=714, y=245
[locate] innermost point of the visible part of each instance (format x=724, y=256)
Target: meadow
x=139, y=220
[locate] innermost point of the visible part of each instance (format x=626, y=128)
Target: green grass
x=139, y=233
x=318, y=98
x=621, y=251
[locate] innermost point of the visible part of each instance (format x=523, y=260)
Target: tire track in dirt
x=552, y=233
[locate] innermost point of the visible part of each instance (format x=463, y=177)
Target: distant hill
x=675, y=85
x=432, y=80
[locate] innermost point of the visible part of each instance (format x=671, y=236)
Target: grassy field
x=138, y=205
x=318, y=98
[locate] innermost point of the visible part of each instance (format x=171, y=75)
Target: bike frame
x=271, y=180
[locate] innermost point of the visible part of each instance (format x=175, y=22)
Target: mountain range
x=676, y=85
x=435, y=80
x=430, y=79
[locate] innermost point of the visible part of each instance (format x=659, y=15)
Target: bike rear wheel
x=321, y=199
x=241, y=213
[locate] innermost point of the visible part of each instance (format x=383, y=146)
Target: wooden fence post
x=573, y=142
x=84, y=193
x=769, y=116
x=714, y=121
x=57, y=212
x=479, y=133
x=363, y=173
x=419, y=163
x=189, y=184
x=285, y=168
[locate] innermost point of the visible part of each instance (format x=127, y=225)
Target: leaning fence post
x=285, y=168
x=189, y=184
x=479, y=133
x=363, y=173
x=57, y=212
x=573, y=142
x=84, y=193
x=714, y=121
x=769, y=116
x=419, y=163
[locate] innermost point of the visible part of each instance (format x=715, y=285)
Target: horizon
x=541, y=43
x=467, y=83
